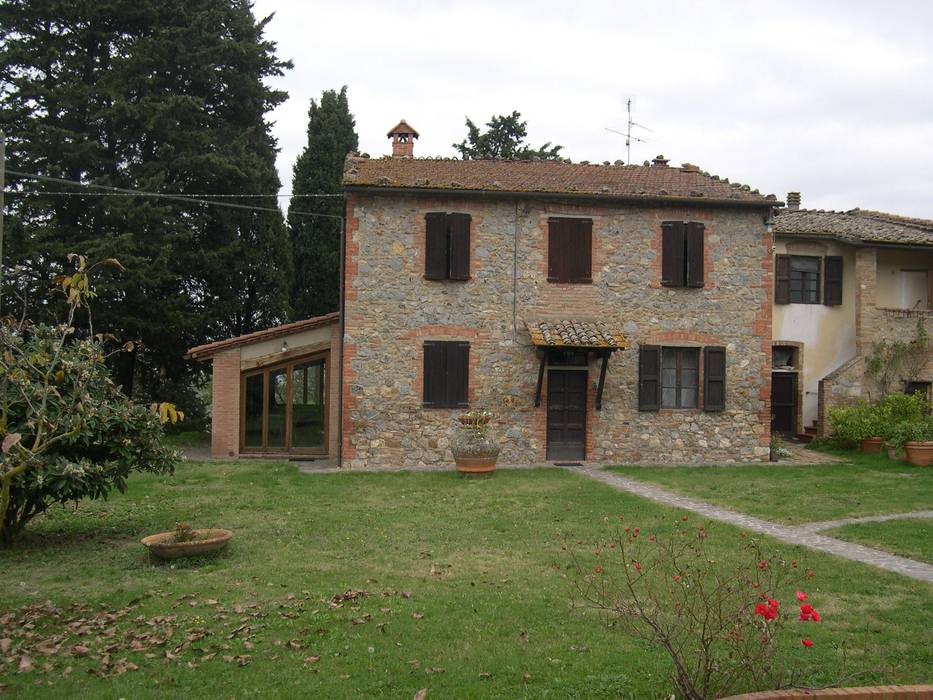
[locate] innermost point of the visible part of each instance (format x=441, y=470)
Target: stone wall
x=390, y=310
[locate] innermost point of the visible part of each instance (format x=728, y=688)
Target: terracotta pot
x=871, y=446
x=163, y=546
x=476, y=465
x=919, y=453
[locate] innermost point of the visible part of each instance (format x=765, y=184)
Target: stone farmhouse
x=844, y=281
x=603, y=313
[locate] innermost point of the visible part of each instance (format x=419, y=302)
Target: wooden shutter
x=695, y=258
x=459, y=246
x=581, y=248
x=673, y=273
x=434, y=373
x=832, y=280
x=782, y=279
x=649, y=370
x=435, y=246
x=458, y=374
x=557, y=250
x=714, y=378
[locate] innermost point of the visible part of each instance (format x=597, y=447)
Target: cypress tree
x=315, y=288
x=163, y=96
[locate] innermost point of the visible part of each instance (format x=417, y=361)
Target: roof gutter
x=861, y=242
x=571, y=196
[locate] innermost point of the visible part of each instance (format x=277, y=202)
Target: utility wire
x=161, y=195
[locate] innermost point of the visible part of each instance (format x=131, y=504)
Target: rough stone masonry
x=390, y=310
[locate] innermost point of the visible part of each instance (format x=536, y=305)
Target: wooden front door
x=566, y=414
x=784, y=403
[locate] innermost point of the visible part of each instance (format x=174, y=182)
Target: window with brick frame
x=446, y=374
x=570, y=250
x=669, y=377
x=447, y=246
x=682, y=254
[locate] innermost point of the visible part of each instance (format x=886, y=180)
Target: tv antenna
x=628, y=132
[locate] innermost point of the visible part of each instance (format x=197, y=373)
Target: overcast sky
x=834, y=99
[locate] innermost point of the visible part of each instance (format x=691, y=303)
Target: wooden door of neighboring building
x=784, y=403
x=566, y=414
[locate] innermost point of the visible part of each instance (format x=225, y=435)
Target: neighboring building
x=843, y=281
x=273, y=391
x=603, y=313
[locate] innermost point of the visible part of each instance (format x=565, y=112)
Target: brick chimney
x=793, y=201
x=403, y=140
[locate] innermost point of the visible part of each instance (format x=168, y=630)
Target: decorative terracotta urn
x=919, y=453
x=474, y=450
x=871, y=446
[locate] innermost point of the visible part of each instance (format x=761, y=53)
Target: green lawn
x=864, y=485
x=466, y=600
x=911, y=537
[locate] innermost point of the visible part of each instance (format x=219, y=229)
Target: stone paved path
x=830, y=524
x=793, y=534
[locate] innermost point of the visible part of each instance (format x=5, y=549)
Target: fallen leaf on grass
x=25, y=664
x=421, y=694
x=523, y=636
x=293, y=644
x=526, y=676
x=361, y=620
x=5, y=645
x=485, y=674
x=434, y=669
x=80, y=650
x=417, y=615
x=312, y=659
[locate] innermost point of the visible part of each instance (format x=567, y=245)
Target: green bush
x=910, y=431
x=894, y=417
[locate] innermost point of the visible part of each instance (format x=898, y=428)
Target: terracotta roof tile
x=202, y=352
x=649, y=182
x=578, y=334
x=858, y=226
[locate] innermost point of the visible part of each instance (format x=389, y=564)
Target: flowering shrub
x=718, y=622
x=67, y=431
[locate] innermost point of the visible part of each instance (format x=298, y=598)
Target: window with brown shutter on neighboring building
x=797, y=279
x=446, y=246
x=682, y=254
x=570, y=250
x=446, y=374
x=832, y=280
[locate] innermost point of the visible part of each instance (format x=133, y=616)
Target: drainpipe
x=515, y=276
x=343, y=248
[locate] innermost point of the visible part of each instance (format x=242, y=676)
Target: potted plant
x=185, y=541
x=916, y=438
x=474, y=450
x=857, y=424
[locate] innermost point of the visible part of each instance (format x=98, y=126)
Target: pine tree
x=504, y=138
x=159, y=95
x=315, y=240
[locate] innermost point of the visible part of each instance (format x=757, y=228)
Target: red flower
x=807, y=643
x=684, y=518
x=794, y=563
x=763, y=564
x=598, y=569
x=612, y=546
x=768, y=612
x=815, y=616
x=801, y=596
x=773, y=603
x=808, y=613
x=637, y=566
x=636, y=530
x=677, y=577
x=627, y=529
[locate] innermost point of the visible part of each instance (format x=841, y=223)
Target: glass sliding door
x=285, y=407
x=308, y=405
x=252, y=410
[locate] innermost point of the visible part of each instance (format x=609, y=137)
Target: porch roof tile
x=576, y=334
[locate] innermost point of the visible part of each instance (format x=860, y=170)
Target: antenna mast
x=628, y=131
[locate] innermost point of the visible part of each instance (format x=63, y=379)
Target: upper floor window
x=446, y=373
x=682, y=254
x=797, y=279
x=570, y=250
x=447, y=246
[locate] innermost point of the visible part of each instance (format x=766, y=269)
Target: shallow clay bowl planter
x=871, y=446
x=164, y=546
x=919, y=453
x=886, y=692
